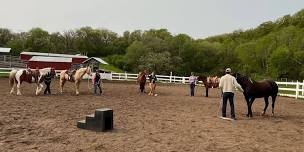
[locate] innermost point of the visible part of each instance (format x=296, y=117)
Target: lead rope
x=89, y=86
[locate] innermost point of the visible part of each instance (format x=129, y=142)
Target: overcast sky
x=197, y=18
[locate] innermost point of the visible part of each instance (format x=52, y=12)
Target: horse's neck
x=82, y=72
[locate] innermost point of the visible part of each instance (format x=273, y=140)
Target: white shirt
x=228, y=83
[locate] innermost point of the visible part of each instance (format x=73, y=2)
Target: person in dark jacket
x=97, y=82
x=47, y=81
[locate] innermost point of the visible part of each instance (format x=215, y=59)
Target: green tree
x=5, y=36
x=158, y=62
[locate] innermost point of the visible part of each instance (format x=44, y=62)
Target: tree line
x=274, y=49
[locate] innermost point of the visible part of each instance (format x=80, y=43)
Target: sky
x=197, y=18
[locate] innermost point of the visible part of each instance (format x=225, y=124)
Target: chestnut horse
x=141, y=80
x=64, y=76
x=209, y=82
x=31, y=76
x=260, y=89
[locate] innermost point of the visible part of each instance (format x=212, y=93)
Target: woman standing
x=192, y=81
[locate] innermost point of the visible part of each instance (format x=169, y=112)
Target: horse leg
x=77, y=87
x=266, y=105
x=62, y=82
x=207, y=91
x=37, y=89
x=250, y=105
x=41, y=87
x=247, y=101
x=18, y=88
x=273, y=102
x=13, y=88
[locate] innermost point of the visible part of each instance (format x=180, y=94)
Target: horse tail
x=12, y=77
x=275, y=87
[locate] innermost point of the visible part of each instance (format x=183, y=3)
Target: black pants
x=142, y=87
x=97, y=86
x=47, y=89
x=192, y=86
x=226, y=96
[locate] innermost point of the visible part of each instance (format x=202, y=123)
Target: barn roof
x=97, y=59
x=50, y=59
x=54, y=55
x=5, y=50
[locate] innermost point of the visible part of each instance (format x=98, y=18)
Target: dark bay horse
x=141, y=80
x=261, y=89
x=209, y=82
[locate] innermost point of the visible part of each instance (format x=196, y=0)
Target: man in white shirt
x=228, y=84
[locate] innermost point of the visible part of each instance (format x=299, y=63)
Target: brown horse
x=260, y=89
x=209, y=82
x=76, y=77
x=141, y=80
x=31, y=76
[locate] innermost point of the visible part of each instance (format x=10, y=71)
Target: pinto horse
x=141, y=80
x=209, y=82
x=31, y=76
x=261, y=89
x=64, y=76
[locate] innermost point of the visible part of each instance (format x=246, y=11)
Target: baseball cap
x=228, y=70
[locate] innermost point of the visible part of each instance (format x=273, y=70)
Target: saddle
x=71, y=75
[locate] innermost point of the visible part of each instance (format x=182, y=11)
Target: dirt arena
x=172, y=121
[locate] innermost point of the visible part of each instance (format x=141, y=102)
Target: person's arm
x=237, y=85
x=221, y=84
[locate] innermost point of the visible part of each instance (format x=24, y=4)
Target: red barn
x=44, y=61
x=58, y=61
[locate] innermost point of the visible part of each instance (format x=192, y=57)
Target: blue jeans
x=226, y=96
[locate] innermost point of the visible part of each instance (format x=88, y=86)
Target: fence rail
x=287, y=89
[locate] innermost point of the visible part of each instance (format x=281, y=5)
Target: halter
x=250, y=80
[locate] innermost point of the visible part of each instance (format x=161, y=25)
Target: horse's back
x=266, y=88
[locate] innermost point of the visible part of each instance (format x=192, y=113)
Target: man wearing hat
x=228, y=84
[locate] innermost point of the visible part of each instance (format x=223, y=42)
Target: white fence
x=292, y=89
x=289, y=89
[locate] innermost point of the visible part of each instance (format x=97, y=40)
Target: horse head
x=243, y=80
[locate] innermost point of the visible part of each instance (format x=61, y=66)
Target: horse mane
x=45, y=71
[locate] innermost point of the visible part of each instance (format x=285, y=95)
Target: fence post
x=184, y=81
x=111, y=76
x=303, y=88
x=126, y=75
x=297, y=90
x=170, y=77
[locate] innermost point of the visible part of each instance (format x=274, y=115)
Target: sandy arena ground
x=172, y=121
